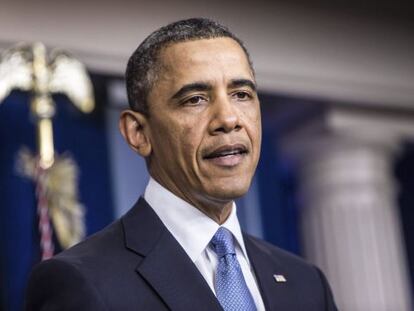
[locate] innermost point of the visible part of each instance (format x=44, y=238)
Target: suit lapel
x=165, y=266
x=265, y=266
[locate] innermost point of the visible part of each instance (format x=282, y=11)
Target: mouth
x=227, y=155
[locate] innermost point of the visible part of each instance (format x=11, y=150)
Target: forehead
x=205, y=59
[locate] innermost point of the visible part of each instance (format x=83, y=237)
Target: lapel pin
x=279, y=278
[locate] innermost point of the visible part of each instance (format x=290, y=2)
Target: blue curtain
x=277, y=179
x=81, y=136
x=405, y=175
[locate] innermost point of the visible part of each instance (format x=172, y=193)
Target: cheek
x=252, y=120
x=190, y=140
x=165, y=141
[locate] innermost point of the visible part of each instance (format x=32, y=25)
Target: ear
x=134, y=127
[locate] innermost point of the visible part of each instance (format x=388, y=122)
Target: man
x=195, y=118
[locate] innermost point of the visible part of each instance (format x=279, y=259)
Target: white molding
x=335, y=89
x=296, y=50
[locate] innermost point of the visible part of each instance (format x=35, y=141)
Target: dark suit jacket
x=136, y=264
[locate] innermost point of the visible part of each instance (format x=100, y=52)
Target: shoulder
x=74, y=278
x=303, y=277
x=279, y=255
x=60, y=284
x=283, y=260
x=108, y=238
x=97, y=256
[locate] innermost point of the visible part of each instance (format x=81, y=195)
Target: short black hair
x=143, y=65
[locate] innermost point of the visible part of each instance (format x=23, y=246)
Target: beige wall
x=295, y=50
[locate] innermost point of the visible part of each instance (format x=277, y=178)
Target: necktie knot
x=222, y=242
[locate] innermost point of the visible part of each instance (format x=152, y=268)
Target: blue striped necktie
x=231, y=288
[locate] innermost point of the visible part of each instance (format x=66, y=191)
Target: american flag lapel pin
x=279, y=278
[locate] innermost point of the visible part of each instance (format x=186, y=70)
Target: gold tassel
x=66, y=212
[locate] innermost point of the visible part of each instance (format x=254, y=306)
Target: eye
x=194, y=100
x=242, y=95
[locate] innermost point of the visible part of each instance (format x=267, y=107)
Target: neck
x=216, y=209
x=219, y=213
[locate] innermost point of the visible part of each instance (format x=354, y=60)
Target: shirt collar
x=190, y=227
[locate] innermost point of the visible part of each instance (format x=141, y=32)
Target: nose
x=225, y=117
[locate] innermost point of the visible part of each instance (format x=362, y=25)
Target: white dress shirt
x=194, y=230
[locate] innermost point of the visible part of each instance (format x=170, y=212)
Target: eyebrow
x=196, y=86
x=203, y=87
x=242, y=82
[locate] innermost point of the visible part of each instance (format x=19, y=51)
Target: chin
x=231, y=190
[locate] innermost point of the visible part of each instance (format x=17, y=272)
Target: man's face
x=204, y=122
